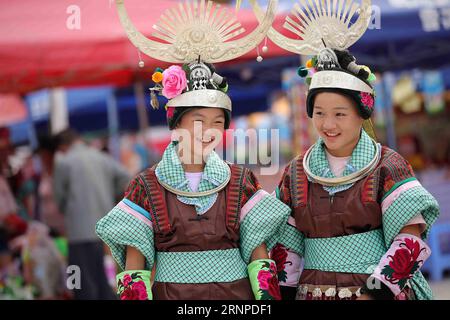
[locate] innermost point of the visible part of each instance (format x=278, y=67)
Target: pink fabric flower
x=402, y=264
x=141, y=290
x=263, y=279
x=367, y=99
x=126, y=280
x=273, y=268
x=414, y=247
x=279, y=255
x=174, y=81
x=129, y=294
x=170, y=111
x=274, y=288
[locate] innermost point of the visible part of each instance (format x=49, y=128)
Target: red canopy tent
x=38, y=50
x=12, y=109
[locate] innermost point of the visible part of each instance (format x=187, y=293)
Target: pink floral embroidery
x=127, y=280
x=263, y=279
x=367, y=100
x=132, y=287
x=141, y=290
x=279, y=255
x=268, y=282
x=129, y=294
x=170, y=111
x=403, y=263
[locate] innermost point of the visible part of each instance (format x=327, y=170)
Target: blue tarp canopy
x=411, y=34
x=88, y=108
x=403, y=34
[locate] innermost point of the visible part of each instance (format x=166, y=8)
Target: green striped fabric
x=407, y=206
x=119, y=229
x=292, y=238
x=200, y=266
x=357, y=253
x=263, y=224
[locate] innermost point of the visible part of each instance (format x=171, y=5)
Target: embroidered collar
x=361, y=157
x=170, y=172
x=364, y=158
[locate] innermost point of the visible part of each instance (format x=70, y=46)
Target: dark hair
x=3, y=240
x=46, y=143
x=353, y=95
x=65, y=137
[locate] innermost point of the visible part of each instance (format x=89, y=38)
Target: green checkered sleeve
x=119, y=229
x=409, y=203
x=262, y=224
x=290, y=237
x=407, y=206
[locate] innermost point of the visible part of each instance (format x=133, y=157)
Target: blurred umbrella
x=12, y=109
x=51, y=43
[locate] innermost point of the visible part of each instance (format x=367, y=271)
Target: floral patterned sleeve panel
x=289, y=265
x=403, y=259
x=263, y=279
x=286, y=253
x=134, y=285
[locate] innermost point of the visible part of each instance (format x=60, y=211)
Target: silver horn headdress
x=321, y=24
x=326, y=29
x=195, y=33
x=197, y=28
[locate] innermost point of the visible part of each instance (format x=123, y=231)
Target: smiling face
x=337, y=122
x=201, y=130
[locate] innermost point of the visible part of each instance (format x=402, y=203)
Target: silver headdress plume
x=197, y=28
x=197, y=33
x=335, y=24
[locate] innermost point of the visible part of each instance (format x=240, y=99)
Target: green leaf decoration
x=186, y=69
x=265, y=295
x=415, y=268
x=282, y=276
x=387, y=271
x=402, y=283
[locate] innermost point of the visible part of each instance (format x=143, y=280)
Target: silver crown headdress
x=197, y=33
x=324, y=26
x=327, y=28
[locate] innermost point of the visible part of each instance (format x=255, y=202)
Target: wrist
x=378, y=290
x=134, y=285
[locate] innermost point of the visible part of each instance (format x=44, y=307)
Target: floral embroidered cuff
x=263, y=279
x=134, y=285
x=403, y=259
x=289, y=265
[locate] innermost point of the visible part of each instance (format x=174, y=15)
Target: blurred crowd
x=48, y=209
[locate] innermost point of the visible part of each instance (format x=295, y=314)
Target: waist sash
x=200, y=266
